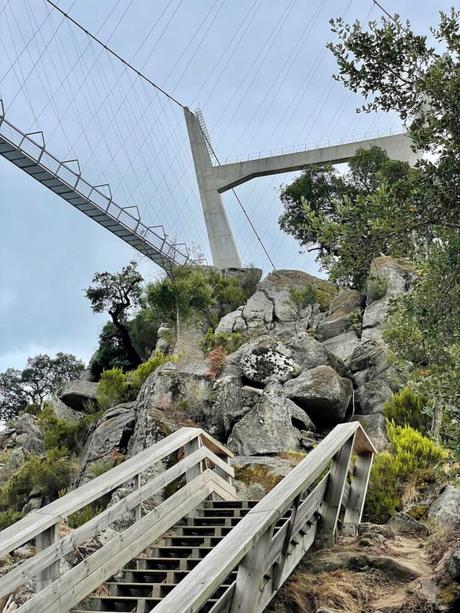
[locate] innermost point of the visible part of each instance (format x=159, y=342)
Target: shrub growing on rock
x=216, y=360
x=376, y=288
x=111, y=388
x=413, y=459
x=146, y=369
x=406, y=408
x=230, y=342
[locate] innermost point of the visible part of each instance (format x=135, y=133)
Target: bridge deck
x=64, y=179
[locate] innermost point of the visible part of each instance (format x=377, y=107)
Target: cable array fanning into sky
x=93, y=105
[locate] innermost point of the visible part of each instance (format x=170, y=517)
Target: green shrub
x=111, y=388
x=230, y=342
x=408, y=409
x=49, y=475
x=413, y=458
x=96, y=469
x=377, y=287
x=7, y=518
x=144, y=370
x=382, y=499
x=84, y=515
x=415, y=455
x=58, y=433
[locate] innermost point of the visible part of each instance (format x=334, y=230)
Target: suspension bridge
x=167, y=200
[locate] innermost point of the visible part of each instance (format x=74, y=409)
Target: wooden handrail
x=201, y=452
x=38, y=521
x=253, y=535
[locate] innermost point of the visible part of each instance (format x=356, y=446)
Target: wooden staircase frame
x=328, y=486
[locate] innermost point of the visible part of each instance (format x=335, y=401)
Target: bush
x=48, y=475
x=84, y=515
x=230, y=342
x=413, y=458
x=7, y=518
x=382, y=498
x=58, y=433
x=111, y=388
x=408, y=409
x=377, y=287
x=216, y=361
x=144, y=370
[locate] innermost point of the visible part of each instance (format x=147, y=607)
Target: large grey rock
x=28, y=435
x=452, y=565
x=344, y=309
x=173, y=395
x=77, y=394
x=398, y=273
x=230, y=402
x=322, y=393
x=268, y=360
x=370, y=359
x=258, y=312
x=62, y=411
x=372, y=396
x=232, y=322
x=310, y=353
x=402, y=523
x=268, y=427
x=375, y=427
x=343, y=346
x=446, y=508
x=165, y=336
x=109, y=439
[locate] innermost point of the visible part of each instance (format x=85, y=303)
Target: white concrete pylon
x=223, y=247
x=214, y=180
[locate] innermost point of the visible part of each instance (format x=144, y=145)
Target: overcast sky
x=257, y=69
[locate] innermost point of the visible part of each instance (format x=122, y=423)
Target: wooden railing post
x=358, y=489
x=189, y=448
x=249, y=580
x=279, y=568
x=138, y=509
x=50, y=573
x=332, y=500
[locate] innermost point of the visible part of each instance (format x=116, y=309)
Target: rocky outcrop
x=78, y=394
x=344, y=312
x=322, y=394
x=108, y=442
x=63, y=411
x=372, y=396
x=274, y=424
x=270, y=310
x=268, y=360
x=446, y=508
x=397, y=275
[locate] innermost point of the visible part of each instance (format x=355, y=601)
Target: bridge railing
x=68, y=172
x=267, y=544
x=202, y=469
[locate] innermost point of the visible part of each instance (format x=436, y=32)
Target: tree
x=42, y=376
x=397, y=70
x=118, y=293
x=340, y=216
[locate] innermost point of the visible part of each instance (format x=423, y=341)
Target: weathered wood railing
x=267, y=544
x=206, y=471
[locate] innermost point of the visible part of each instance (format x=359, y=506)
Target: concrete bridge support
x=214, y=180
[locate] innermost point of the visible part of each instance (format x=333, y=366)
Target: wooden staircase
x=147, y=579
x=198, y=548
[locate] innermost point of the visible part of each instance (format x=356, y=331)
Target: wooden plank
x=82, y=579
x=215, y=446
x=50, y=572
x=251, y=571
x=278, y=571
x=332, y=500
x=358, y=489
x=293, y=558
x=223, y=604
x=36, y=522
x=363, y=443
x=196, y=469
x=29, y=568
x=203, y=580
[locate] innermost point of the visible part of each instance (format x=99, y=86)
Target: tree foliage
x=340, y=215
x=42, y=376
x=118, y=294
